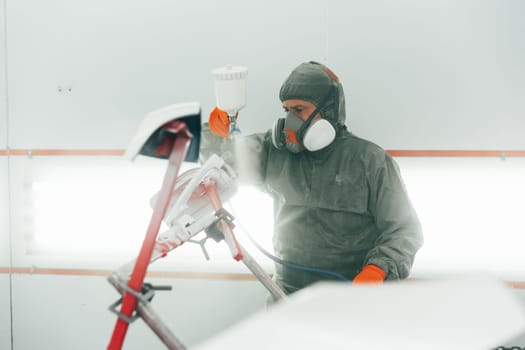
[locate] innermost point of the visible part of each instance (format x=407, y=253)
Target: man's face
x=300, y=108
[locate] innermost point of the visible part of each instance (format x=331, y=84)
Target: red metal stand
x=206, y=184
x=179, y=147
x=226, y=228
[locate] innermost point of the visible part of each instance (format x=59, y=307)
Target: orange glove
x=370, y=274
x=219, y=122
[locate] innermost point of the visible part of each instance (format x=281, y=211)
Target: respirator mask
x=297, y=135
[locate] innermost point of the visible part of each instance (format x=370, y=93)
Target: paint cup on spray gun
x=230, y=92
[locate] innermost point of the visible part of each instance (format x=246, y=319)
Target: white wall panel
x=519, y=340
x=3, y=114
x=5, y=294
x=121, y=59
x=432, y=74
x=5, y=313
x=4, y=214
x=71, y=312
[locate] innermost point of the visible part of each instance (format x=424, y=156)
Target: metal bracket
x=213, y=231
x=201, y=243
x=145, y=296
x=223, y=214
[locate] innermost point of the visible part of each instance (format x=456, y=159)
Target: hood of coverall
x=315, y=83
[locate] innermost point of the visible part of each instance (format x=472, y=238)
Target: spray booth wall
x=80, y=75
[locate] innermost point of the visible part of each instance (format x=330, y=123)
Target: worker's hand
x=219, y=122
x=370, y=274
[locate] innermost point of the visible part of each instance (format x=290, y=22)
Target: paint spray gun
x=230, y=92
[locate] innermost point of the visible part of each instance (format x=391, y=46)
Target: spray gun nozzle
x=233, y=125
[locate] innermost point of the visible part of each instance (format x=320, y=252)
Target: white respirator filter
x=319, y=135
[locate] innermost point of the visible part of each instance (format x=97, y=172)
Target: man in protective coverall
x=340, y=204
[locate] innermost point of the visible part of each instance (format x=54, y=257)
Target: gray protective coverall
x=337, y=209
